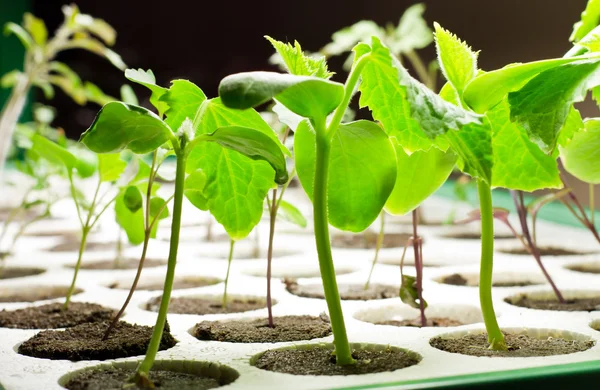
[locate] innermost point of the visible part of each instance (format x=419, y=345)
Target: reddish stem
x=273, y=216
x=418, y=249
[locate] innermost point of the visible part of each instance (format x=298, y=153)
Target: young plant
x=40, y=69
x=232, y=158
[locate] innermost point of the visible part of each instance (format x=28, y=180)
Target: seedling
x=216, y=134
x=78, y=31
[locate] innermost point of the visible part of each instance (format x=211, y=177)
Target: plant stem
x=495, y=336
x=119, y=254
x=418, y=249
x=10, y=116
x=321, y=226
x=229, y=259
x=145, y=366
x=272, y=219
x=209, y=236
x=77, y=267
x=583, y=218
x=592, y=211
x=377, y=247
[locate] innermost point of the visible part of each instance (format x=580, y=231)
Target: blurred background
x=205, y=42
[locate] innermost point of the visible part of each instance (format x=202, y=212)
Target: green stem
x=495, y=336
x=332, y=296
x=377, y=247
x=272, y=219
x=229, y=259
x=77, y=267
x=145, y=366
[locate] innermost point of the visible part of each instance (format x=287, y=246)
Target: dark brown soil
x=66, y=235
x=71, y=244
x=459, y=280
x=84, y=342
x=287, y=328
x=52, y=316
x=349, y=292
x=201, y=306
x=518, y=346
x=368, y=240
x=476, y=236
x=435, y=322
x=321, y=361
x=108, y=265
x=114, y=378
x=178, y=284
x=33, y=293
x=544, y=251
x=592, y=268
x=577, y=304
x=19, y=272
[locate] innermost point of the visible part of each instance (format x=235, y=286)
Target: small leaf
x=110, y=166
x=592, y=40
x=121, y=126
x=97, y=27
x=128, y=95
x=581, y=157
x=299, y=64
x=590, y=18
x=11, y=78
x=24, y=37
x=288, y=212
x=310, y=97
x=147, y=79
x=53, y=153
x=457, y=61
x=346, y=38
x=131, y=222
x=36, y=27
x=132, y=198
x=156, y=205
x=409, y=292
x=97, y=47
x=194, y=189
x=93, y=93
x=413, y=31
x=183, y=100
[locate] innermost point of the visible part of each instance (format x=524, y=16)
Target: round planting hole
x=125, y=264
x=437, y=315
x=202, y=305
x=349, y=292
x=317, y=359
x=53, y=315
x=156, y=283
x=72, y=245
x=28, y=293
x=247, y=253
x=257, y=330
x=520, y=343
x=168, y=374
x=368, y=240
x=470, y=235
x=595, y=324
x=589, y=268
x=547, y=300
x=544, y=251
x=501, y=279
x=85, y=342
x=19, y=272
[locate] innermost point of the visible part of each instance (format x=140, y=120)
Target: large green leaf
x=307, y=96
x=589, y=19
x=418, y=176
x=581, y=157
x=457, y=60
x=194, y=189
x=543, y=104
x=519, y=164
x=53, y=153
x=362, y=171
x=147, y=79
x=110, y=166
x=183, y=99
x=236, y=185
x=120, y=126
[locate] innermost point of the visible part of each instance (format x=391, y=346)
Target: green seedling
x=226, y=161
x=40, y=69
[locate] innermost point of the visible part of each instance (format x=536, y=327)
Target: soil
x=544, y=251
x=459, y=280
x=84, y=342
x=71, y=244
x=201, y=306
x=33, y=294
x=577, y=304
x=593, y=268
x=108, y=265
x=476, y=236
x=66, y=235
x=19, y=272
x=114, y=378
x=287, y=328
x=178, y=284
x=349, y=292
x=518, y=346
x=52, y=316
x=434, y=322
x=321, y=361
x=369, y=241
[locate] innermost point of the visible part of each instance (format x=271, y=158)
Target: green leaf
x=121, y=126
x=361, y=174
x=473, y=145
x=183, y=100
x=288, y=212
x=110, y=166
x=489, y=89
x=24, y=37
x=46, y=88
x=156, y=205
x=97, y=47
x=97, y=27
x=306, y=96
x=74, y=91
x=581, y=157
x=409, y=292
x=519, y=164
x=299, y=64
x=346, y=38
x=132, y=222
x=11, y=78
x=53, y=152
x=418, y=176
x=87, y=161
x=194, y=189
x=253, y=144
x=128, y=95
x=592, y=40
x=236, y=185
x=457, y=61
x=132, y=197
x=36, y=28
x=543, y=104
x=573, y=124
x=589, y=19
x=147, y=79
x=93, y=93
x=413, y=31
